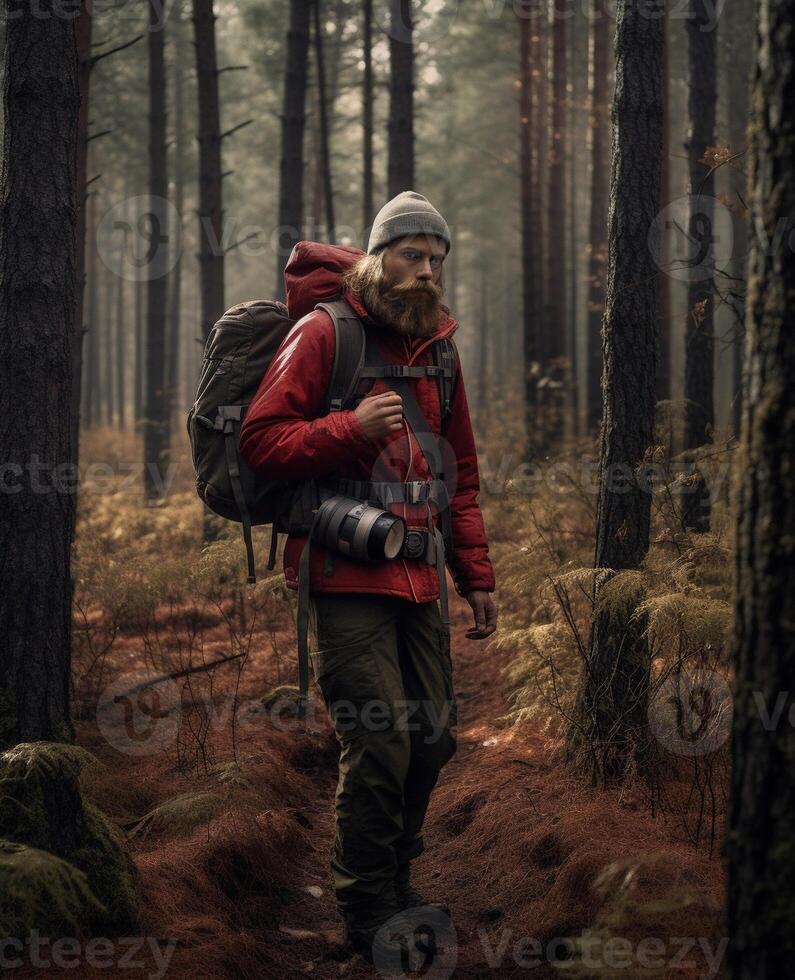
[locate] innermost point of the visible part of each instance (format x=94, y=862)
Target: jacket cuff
x=355, y=431
x=479, y=579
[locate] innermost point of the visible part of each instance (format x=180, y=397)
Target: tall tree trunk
x=291, y=192
x=483, y=400
x=90, y=388
x=323, y=120
x=738, y=20
x=107, y=337
x=155, y=422
x=400, y=175
x=611, y=711
x=140, y=352
x=174, y=312
x=529, y=235
x=84, y=25
x=664, y=280
x=699, y=341
x=556, y=278
x=38, y=298
x=572, y=211
x=120, y=341
x=600, y=180
x=211, y=255
x=761, y=856
x=367, y=121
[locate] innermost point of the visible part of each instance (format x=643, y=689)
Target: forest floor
x=525, y=854
x=227, y=807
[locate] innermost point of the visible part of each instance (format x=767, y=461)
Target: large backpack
x=237, y=354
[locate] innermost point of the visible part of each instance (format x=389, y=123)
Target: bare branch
x=234, y=129
x=90, y=62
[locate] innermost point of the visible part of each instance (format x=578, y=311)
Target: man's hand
x=485, y=615
x=380, y=415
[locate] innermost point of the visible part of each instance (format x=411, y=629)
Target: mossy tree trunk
x=38, y=295
x=611, y=709
x=761, y=849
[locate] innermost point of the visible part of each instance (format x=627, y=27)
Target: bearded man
x=381, y=639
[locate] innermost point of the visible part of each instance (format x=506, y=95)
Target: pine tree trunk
x=140, y=352
x=571, y=130
x=211, y=255
x=400, y=176
x=611, y=711
x=324, y=110
x=84, y=25
x=738, y=20
x=291, y=193
x=556, y=255
x=107, y=349
x=367, y=121
x=699, y=341
x=90, y=388
x=155, y=422
x=664, y=281
x=120, y=345
x=38, y=298
x=175, y=297
x=761, y=858
x=600, y=183
x=529, y=235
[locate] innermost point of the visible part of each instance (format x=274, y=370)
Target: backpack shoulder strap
x=348, y=353
x=444, y=357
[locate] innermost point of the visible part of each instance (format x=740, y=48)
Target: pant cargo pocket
x=350, y=681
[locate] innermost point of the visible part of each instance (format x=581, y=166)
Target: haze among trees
x=619, y=187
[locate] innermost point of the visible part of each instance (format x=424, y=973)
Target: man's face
x=409, y=261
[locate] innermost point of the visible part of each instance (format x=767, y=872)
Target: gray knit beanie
x=407, y=214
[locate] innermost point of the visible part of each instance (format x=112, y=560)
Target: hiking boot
x=408, y=898
x=386, y=939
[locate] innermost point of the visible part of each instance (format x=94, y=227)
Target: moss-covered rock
x=41, y=807
x=41, y=891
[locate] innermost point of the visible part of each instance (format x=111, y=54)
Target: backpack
x=237, y=353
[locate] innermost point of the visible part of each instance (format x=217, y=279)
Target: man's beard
x=412, y=308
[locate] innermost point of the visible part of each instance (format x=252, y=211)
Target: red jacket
x=282, y=435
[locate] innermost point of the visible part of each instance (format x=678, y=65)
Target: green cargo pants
x=383, y=666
